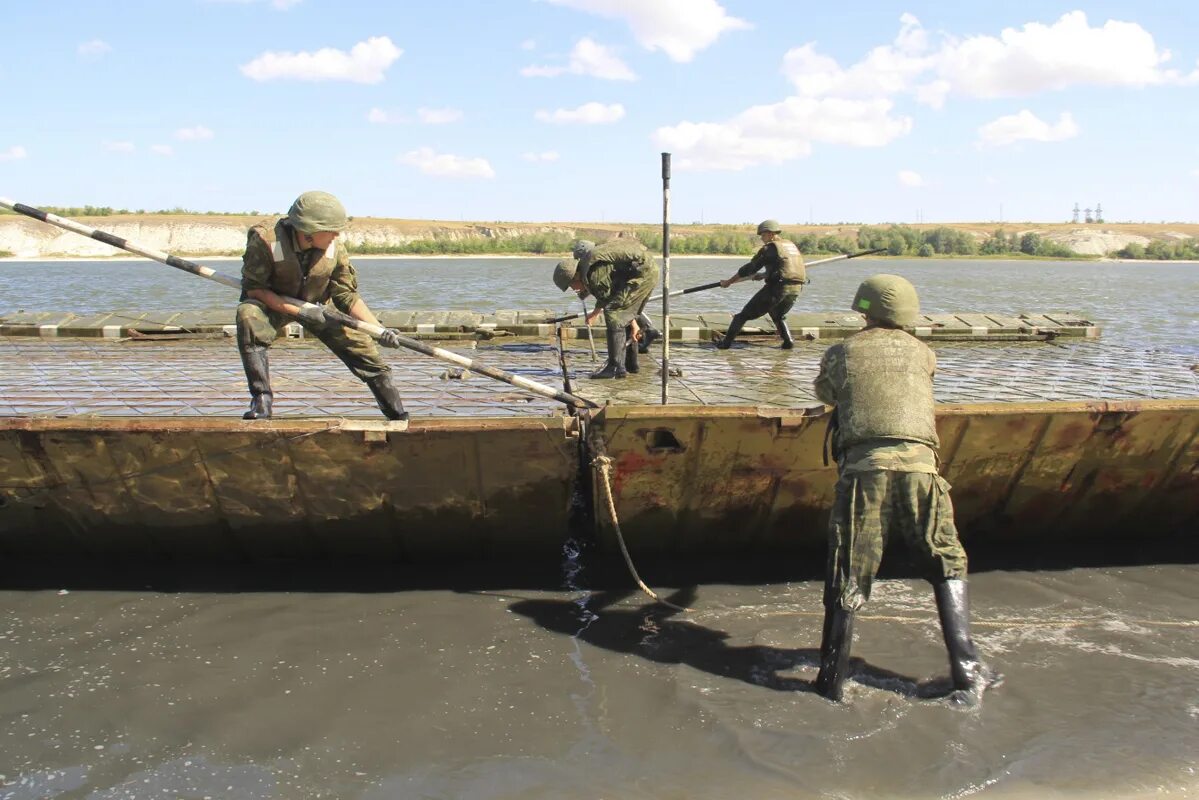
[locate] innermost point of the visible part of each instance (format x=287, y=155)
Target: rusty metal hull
x=746, y=480
x=215, y=488
x=686, y=480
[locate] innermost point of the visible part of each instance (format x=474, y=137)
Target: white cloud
x=548, y=155
x=679, y=28
x=780, y=132
x=1025, y=61
x=14, y=153
x=446, y=165
x=93, y=49
x=528, y=44
x=586, y=114
x=1026, y=126
x=119, y=147
x=380, y=116
x=438, y=116
x=1194, y=172
x=162, y=150
x=365, y=63
x=909, y=178
x=587, y=57
x=197, y=134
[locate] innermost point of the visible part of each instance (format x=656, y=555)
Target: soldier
x=785, y=278
x=300, y=256
x=621, y=274
x=880, y=381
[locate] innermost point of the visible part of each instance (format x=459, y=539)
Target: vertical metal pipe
x=665, y=277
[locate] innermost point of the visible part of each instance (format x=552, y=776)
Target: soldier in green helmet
x=784, y=280
x=880, y=383
x=621, y=274
x=301, y=256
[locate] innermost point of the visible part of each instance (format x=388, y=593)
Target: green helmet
x=582, y=248
x=771, y=225
x=313, y=212
x=889, y=299
x=564, y=273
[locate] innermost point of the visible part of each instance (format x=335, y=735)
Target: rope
x=604, y=464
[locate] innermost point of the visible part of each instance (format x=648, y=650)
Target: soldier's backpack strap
x=830, y=434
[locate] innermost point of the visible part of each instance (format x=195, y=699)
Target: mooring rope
x=604, y=464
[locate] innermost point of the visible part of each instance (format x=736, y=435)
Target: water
x=1148, y=304
x=557, y=681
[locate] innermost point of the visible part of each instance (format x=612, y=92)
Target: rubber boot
x=630, y=357
x=971, y=677
x=258, y=377
x=834, y=652
x=729, y=335
x=614, y=367
x=388, y=397
x=649, y=334
x=780, y=324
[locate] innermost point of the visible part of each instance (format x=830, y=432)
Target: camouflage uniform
x=621, y=274
x=880, y=381
x=784, y=281
x=887, y=484
x=273, y=261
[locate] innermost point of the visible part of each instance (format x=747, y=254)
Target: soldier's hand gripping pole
x=331, y=315
x=817, y=262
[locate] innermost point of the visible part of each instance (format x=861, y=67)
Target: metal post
x=665, y=277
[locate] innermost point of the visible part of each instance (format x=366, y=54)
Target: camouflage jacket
x=273, y=261
x=612, y=266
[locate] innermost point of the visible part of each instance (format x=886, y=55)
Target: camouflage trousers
x=872, y=506
x=775, y=299
x=258, y=326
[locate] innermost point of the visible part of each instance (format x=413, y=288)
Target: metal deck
x=203, y=377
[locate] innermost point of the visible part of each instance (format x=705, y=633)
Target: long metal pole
x=330, y=314
x=817, y=262
x=665, y=277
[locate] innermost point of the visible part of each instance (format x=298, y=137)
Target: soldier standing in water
x=880, y=383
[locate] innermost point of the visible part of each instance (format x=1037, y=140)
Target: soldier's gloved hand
x=312, y=314
x=390, y=338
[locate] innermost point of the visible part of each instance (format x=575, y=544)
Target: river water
x=555, y=680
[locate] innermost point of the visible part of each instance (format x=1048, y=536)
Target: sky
x=559, y=110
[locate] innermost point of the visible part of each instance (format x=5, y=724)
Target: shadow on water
x=605, y=570
x=651, y=632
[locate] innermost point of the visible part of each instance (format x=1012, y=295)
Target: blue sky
x=557, y=110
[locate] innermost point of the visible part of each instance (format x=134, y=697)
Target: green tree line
x=1160, y=250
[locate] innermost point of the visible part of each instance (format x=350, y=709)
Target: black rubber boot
x=649, y=334
x=971, y=677
x=834, y=652
x=258, y=378
x=615, y=365
x=388, y=397
x=729, y=335
x=630, y=357
x=780, y=324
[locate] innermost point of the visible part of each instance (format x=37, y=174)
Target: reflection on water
x=1146, y=304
